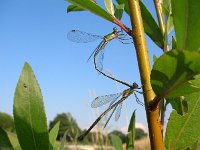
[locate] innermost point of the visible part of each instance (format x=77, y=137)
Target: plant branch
x=162, y=117
x=121, y=25
x=144, y=67
x=161, y=24
x=159, y=16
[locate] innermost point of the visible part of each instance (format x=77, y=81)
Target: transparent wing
x=118, y=111
x=101, y=100
x=99, y=60
x=96, y=49
x=82, y=37
x=110, y=117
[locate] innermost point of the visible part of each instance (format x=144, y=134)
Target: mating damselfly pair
x=83, y=37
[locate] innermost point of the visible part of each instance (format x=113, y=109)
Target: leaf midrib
x=186, y=122
x=30, y=116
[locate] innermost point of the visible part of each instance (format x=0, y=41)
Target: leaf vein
x=186, y=123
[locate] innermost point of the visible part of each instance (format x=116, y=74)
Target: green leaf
x=109, y=6
x=92, y=7
x=165, y=11
x=175, y=73
x=29, y=113
x=170, y=24
x=72, y=8
x=183, y=131
x=131, y=133
x=150, y=26
x=194, y=146
x=186, y=23
x=154, y=58
x=173, y=43
x=119, y=11
x=5, y=143
x=62, y=143
x=166, y=3
x=168, y=19
x=53, y=135
x=14, y=141
x=179, y=104
x=116, y=142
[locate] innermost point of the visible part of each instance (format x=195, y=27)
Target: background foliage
x=7, y=122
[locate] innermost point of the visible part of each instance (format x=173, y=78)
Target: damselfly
x=83, y=37
x=116, y=106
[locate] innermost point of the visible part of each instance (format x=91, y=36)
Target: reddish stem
x=122, y=26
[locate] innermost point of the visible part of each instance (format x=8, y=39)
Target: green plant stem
x=159, y=16
x=144, y=67
x=166, y=47
x=158, y=8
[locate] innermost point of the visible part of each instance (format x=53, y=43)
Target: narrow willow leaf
x=72, y=8
x=109, y=6
x=170, y=24
x=166, y=13
x=183, y=131
x=119, y=11
x=186, y=23
x=150, y=26
x=175, y=73
x=116, y=142
x=173, y=43
x=165, y=38
x=154, y=58
x=53, y=135
x=125, y=3
x=131, y=133
x=29, y=113
x=92, y=7
x=166, y=3
x=5, y=143
x=62, y=143
x=14, y=140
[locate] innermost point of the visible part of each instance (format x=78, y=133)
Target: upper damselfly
x=83, y=37
x=116, y=106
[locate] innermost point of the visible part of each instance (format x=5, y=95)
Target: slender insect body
x=128, y=92
x=100, y=49
x=83, y=37
x=114, y=106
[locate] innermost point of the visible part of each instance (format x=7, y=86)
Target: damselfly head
x=115, y=29
x=135, y=85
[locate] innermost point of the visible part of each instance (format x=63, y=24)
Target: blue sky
x=36, y=32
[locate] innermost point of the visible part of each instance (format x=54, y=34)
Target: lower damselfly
x=116, y=106
x=83, y=37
